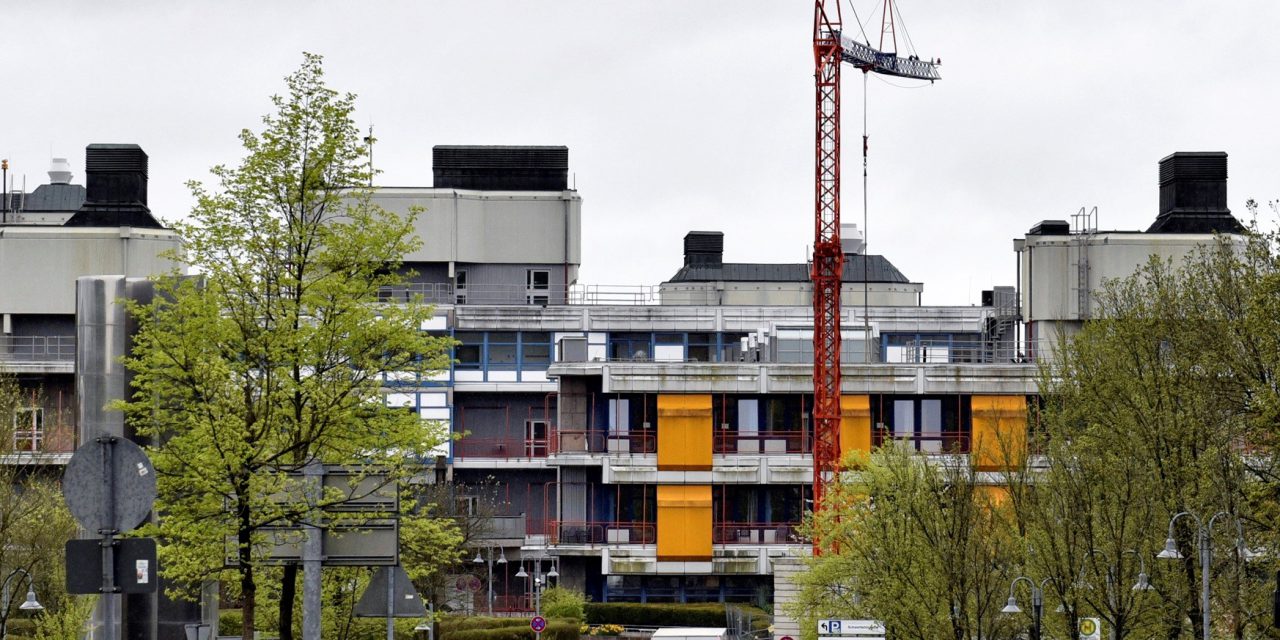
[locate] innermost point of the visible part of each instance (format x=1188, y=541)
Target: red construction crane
x=830, y=48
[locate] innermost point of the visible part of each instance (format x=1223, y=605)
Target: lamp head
x=31, y=604
x=1011, y=606
x=502, y=559
x=1245, y=552
x=1170, y=550
x=478, y=559
x=1144, y=582
x=553, y=573
x=521, y=573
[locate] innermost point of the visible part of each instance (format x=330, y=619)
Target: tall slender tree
x=273, y=358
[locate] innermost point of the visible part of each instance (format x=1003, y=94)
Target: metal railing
x=473, y=447
x=769, y=441
x=591, y=532
x=755, y=533
x=927, y=442
x=599, y=441
x=38, y=348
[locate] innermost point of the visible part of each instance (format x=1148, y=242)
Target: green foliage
x=915, y=543
x=1166, y=402
x=709, y=614
x=556, y=630
x=1151, y=411
x=34, y=524
x=560, y=602
x=230, y=622
x=65, y=622
x=274, y=360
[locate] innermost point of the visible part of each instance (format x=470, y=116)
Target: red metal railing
x=590, y=532
x=928, y=442
x=750, y=442
x=473, y=447
x=755, y=533
x=596, y=441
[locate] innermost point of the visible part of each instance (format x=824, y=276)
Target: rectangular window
x=701, y=347
x=535, y=349
x=460, y=287
x=502, y=350
x=28, y=429
x=538, y=286
x=668, y=347
x=629, y=346
x=469, y=354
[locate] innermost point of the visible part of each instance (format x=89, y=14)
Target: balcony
x=926, y=442
x=38, y=349
x=502, y=448
x=762, y=442
x=598, y=441
x=593, y=532
x=756, y=533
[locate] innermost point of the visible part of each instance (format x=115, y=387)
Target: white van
x=691, y=633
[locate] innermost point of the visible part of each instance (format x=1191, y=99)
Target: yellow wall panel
x=684, y=432
x=684, y=522
x=855, y=425
x=999, y=432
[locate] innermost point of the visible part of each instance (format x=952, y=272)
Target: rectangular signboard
x=373, y=543
x=135, y=565
x=851, y=627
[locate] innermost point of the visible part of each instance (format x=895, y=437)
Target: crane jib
x=867, y=58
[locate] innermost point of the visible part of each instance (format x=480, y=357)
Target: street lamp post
x=1037, y=602
x=538, y=582
x=29, y=605
x=1113, y=577
x=488, y=559
x=1204, y=534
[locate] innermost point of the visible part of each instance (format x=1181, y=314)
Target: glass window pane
x=502, y=354
x=537, y=354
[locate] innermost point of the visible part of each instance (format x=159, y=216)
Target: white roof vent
x=851, y=240
x=60, y=171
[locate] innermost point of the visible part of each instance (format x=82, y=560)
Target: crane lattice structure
x=830, y=48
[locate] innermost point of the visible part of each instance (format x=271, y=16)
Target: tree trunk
x=288, y=593
x=248, y=588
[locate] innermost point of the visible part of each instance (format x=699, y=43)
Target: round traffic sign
x=786, y=638
x=109, y=484
x=538, y=624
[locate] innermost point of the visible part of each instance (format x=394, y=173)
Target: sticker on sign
x=860, y=628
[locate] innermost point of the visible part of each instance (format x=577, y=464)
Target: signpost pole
x=109, y=598
x=391, y=604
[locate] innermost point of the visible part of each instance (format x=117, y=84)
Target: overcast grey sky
x=683, y=114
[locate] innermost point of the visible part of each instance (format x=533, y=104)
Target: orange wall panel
x=855, y=425
x=684, y=522
x=684, y=432
x=999, y=432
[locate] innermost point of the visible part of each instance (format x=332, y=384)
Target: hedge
x=557, y=630
x=361, y=628
x=634, y=614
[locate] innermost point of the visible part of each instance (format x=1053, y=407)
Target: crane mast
x=828, y=259
x=830, y=49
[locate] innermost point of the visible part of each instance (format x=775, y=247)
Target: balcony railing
x=929, y=442
x=752, y=442
x=37, y=348
x=756, y=533
x=472, y=447
x=597, y=441
x=590, y=532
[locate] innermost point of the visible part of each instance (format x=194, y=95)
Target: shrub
x=557, y=630
x=559, y=602
x=711, y=614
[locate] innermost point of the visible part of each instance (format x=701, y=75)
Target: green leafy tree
x=920, y=544
x=1151, y=411
x=274, y=358
x=34, y=520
